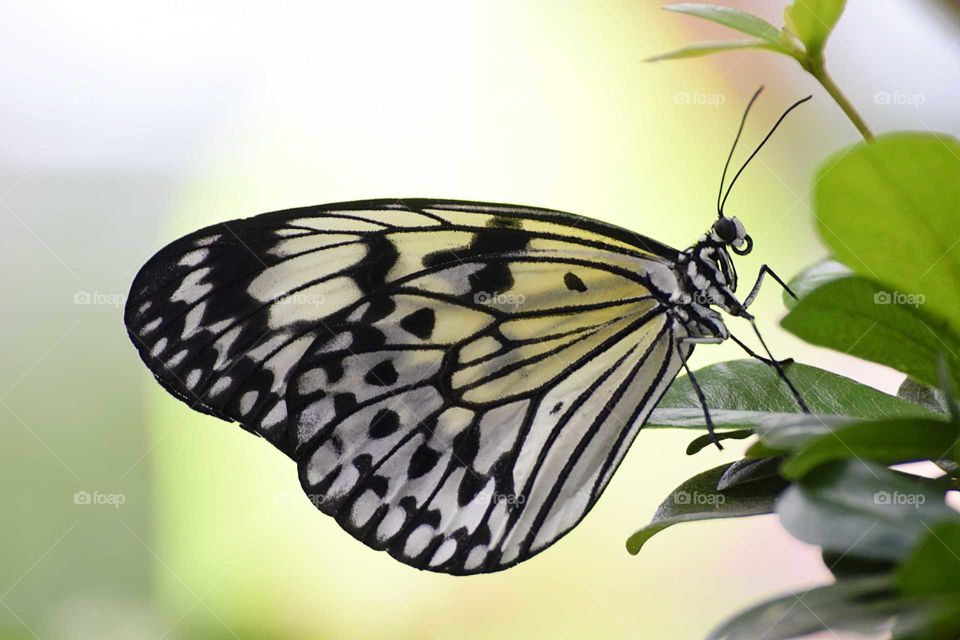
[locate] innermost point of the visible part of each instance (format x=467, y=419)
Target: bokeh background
x=125, y=125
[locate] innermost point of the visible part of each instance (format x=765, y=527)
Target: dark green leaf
x=749, y=470
x=795, y=432
x=863, y=508
x=707, y=48
x=847, y=565
x=729, y=17
x=743, y=394
x=859, y=317
x=812, y=21
x=934, y=566
x=887, y=441
x=699, y=499
x=890, y=210
x=928, y=397
x=859, y=604
x=700, y=442
x=931, y=574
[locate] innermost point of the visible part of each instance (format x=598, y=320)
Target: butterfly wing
x=457, y=381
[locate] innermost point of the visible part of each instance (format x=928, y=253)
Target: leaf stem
x=816, y=67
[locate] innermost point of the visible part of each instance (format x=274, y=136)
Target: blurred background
x=125, y=125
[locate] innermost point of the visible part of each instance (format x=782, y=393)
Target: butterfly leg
x=764, y=270
x=753, y=354
x=696, y=385
x=779, y=368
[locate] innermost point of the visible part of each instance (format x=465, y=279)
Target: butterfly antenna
x=743, y=121
x=760, y=146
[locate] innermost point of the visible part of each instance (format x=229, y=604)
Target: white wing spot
x=193, y=258
x=248, y=400
x=418, y=540
x=159, y=347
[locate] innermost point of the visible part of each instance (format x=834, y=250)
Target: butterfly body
x=456, y=381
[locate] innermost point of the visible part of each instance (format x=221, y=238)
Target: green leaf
x=812, y=21
x=859, y=317
x=744, y=394
x=864, y=509
x=846, y=565
x=931, y=574
x=749, y=470
x=701, y=442
x=861, y=605
x=729, y=17
x=934, y=566
x=890, y=210
x=928, y=397
x=699, y=499
x=887, y=441
x=706, y=48
x=813, y=277
x=795, y=432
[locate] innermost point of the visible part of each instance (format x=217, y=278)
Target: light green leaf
x=890, y=210
x=813, y=277
x=854, y=315
x=699, y=499
x=812, y=21
x=729, y=17
x=707, y=48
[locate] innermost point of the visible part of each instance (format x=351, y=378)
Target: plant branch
x=816, y=67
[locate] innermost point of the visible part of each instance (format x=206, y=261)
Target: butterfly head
x=731, y=232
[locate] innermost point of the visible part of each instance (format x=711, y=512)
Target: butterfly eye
x=726, y=229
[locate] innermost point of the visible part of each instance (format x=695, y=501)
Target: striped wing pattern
x=456, y=381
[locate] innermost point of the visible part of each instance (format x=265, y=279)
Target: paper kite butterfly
x=456, y=381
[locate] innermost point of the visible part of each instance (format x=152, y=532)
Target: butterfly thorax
x=708, y=278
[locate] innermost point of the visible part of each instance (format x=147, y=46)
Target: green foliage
x=887, y=441
x=891, y=212
x=861, y=605
x=746, y=393
x=888, y=210
x=808, y=25
x=699, y=499
x=862, y=508
x=857, y=316
x=811, y=21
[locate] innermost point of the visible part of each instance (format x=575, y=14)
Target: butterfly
x=456, y=381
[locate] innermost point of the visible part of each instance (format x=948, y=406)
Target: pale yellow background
x=125, y=125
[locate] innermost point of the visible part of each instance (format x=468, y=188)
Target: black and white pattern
x=457, y=382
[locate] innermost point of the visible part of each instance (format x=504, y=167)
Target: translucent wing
x=457, y=381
